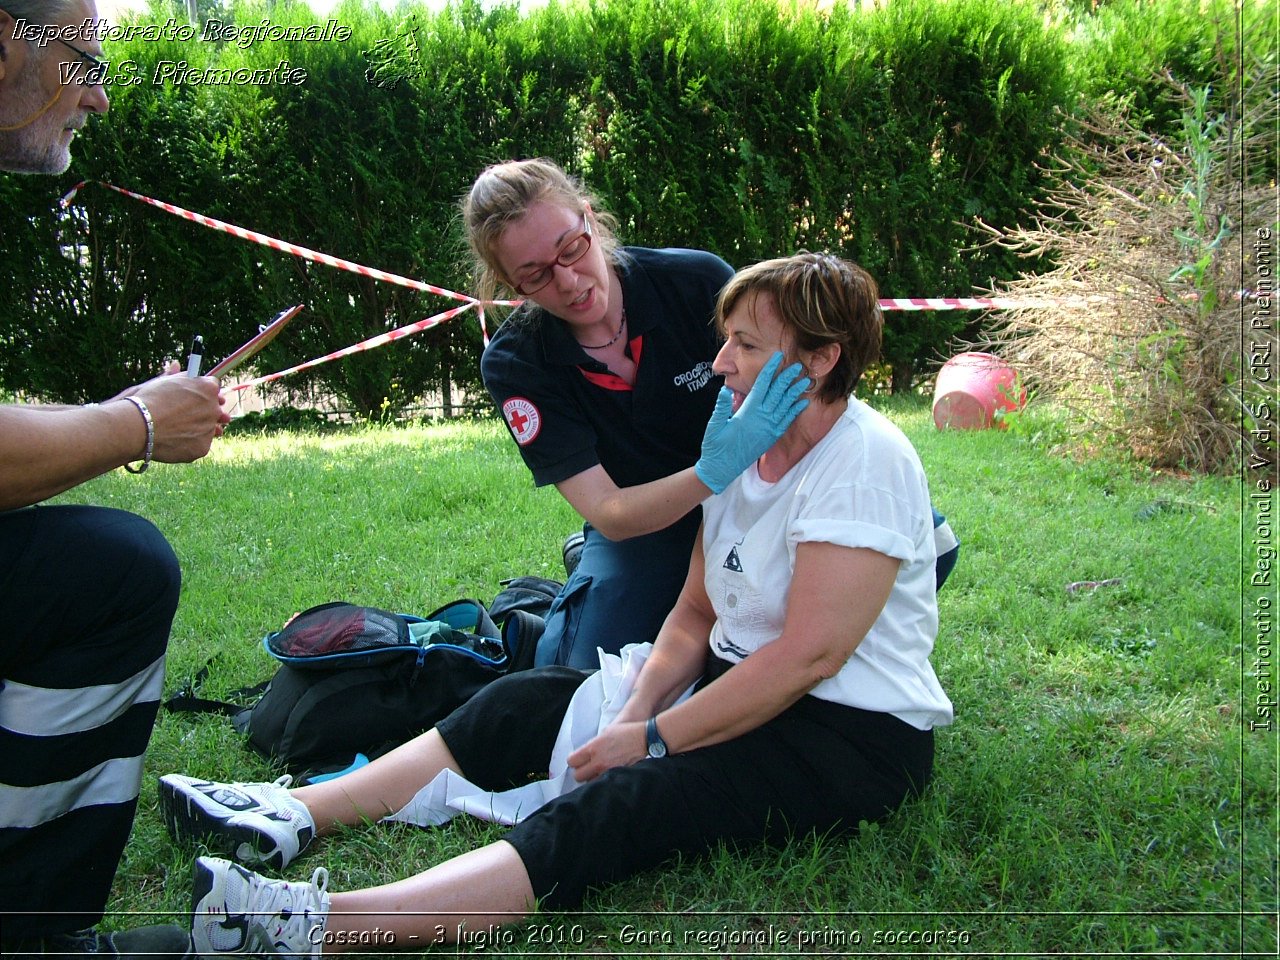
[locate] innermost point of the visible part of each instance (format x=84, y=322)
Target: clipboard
x=251, y=347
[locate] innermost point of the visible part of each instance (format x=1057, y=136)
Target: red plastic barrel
x=971, y=388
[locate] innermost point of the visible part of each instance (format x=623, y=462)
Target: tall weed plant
x=1138, y=327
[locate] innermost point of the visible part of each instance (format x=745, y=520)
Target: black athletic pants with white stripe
x=817, y=766
x=87, y=596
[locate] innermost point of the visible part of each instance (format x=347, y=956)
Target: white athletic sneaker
x=254, y=822
x=237, y=911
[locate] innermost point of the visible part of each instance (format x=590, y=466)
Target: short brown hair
x=822, y=299
x=503, y=193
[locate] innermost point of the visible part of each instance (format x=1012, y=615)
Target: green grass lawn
x=1099, y=792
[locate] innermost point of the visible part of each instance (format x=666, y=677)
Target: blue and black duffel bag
x=357, y=681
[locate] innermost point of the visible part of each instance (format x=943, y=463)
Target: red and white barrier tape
x=331, y=261
x=973, y=303
x=888, y=303
x=281, y=245
x=378, y=341
x=1017, y=303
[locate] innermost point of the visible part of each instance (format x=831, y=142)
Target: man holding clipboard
x=87, y=594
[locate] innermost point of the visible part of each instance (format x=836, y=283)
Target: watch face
x=653, y=740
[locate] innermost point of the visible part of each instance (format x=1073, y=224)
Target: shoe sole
x=188, y=821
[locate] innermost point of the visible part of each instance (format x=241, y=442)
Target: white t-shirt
x=862, y=485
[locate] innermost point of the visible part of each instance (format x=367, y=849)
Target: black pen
x=197, y=354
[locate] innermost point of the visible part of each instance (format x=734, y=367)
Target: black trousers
x=818, y=766
x=87, y=597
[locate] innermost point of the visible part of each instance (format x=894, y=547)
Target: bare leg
x=483, y=888
x=379, y=789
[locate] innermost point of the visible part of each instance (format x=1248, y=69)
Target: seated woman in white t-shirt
x=806, y=621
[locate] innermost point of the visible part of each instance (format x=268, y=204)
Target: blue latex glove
x=734, y=441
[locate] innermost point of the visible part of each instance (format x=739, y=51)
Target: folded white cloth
x=594, y=706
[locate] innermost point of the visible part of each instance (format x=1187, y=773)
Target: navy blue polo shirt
x=567, y=412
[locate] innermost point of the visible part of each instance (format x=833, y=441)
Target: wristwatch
x=653, y=739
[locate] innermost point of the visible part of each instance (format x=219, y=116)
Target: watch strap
x=657, y=747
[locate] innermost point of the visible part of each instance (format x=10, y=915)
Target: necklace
x=622, y=325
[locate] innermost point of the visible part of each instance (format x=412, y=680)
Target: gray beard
x=31, y=148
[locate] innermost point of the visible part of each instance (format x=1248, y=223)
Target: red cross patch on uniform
x=523, y=419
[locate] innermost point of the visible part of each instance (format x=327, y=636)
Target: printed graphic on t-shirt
x=730, y=650
x=742, y=611
x=523, y=419
x=731, y=562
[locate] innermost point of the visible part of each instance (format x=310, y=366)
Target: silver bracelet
x=151, y=436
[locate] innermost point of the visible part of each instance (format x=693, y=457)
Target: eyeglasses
x=571, y=253
x=95, y=63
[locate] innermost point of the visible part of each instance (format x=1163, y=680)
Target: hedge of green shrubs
x=748, y=127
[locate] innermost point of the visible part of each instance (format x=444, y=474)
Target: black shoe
x=571, y=551
x=165, y=942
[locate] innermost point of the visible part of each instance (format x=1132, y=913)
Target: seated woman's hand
x=617, y=745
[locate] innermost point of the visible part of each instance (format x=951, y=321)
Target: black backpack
x=354, y=682
x=530, y=594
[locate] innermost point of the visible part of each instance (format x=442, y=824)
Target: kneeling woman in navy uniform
x=813, y=705
x=604, y=379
